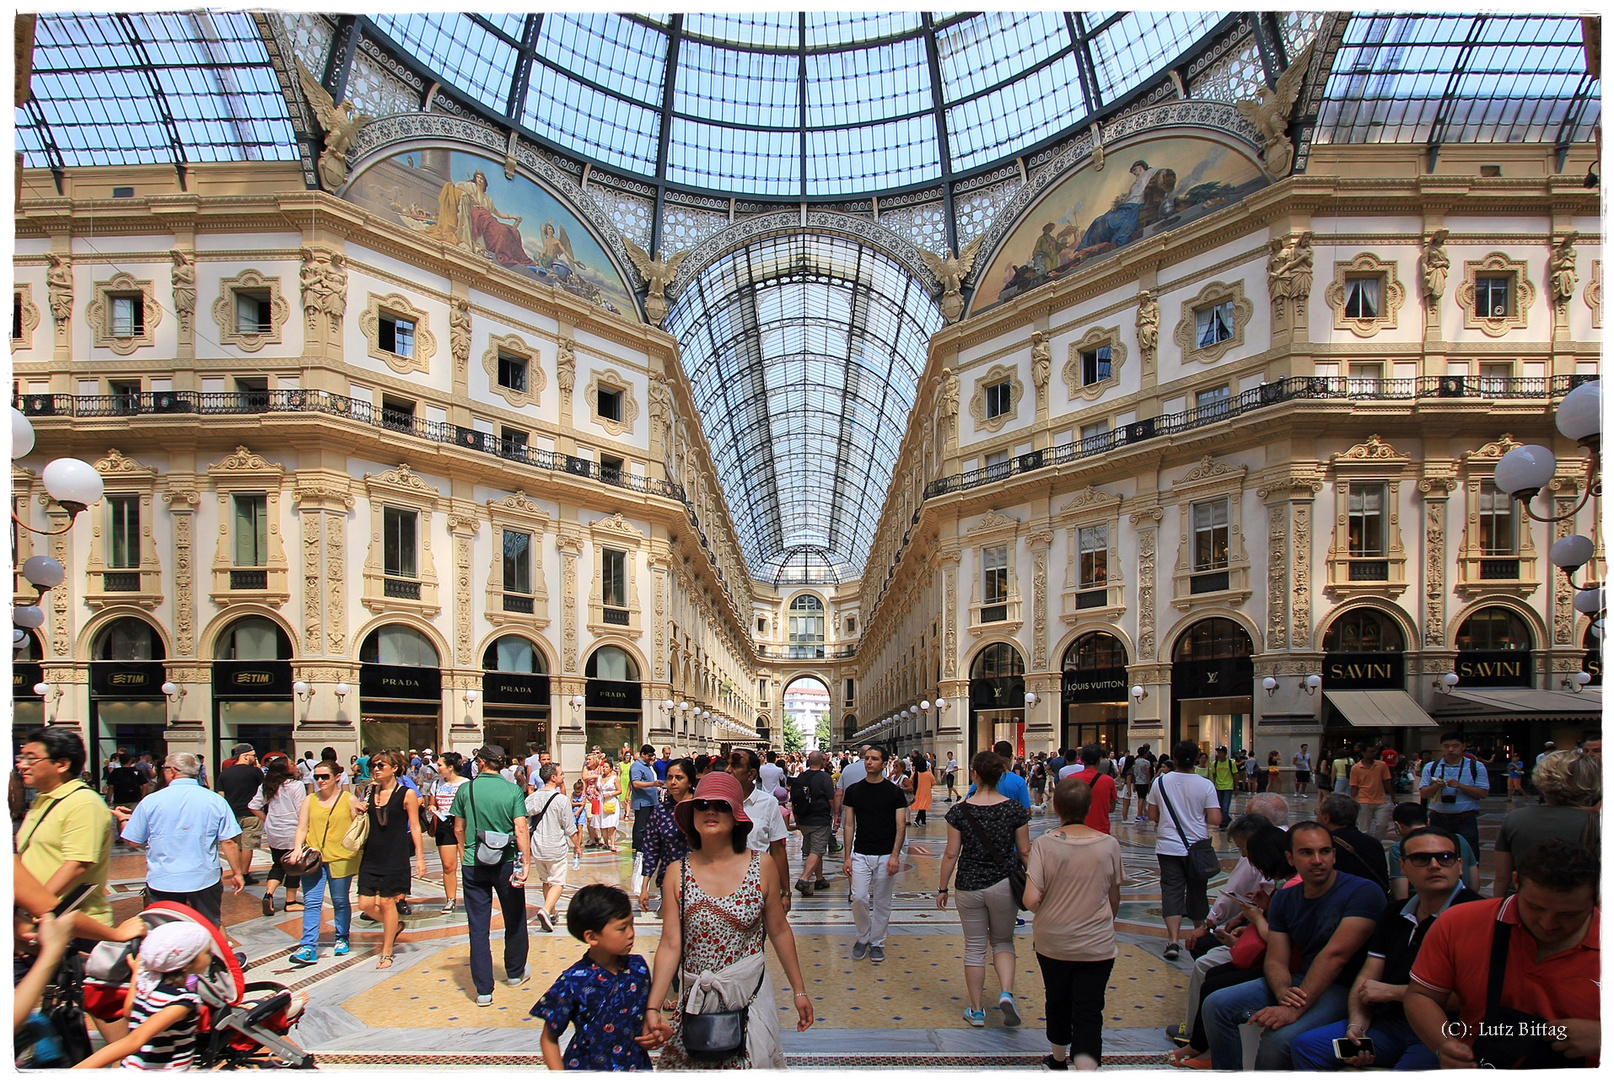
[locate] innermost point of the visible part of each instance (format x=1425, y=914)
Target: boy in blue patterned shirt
x=604, y=995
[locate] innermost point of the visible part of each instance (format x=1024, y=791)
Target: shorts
x=1302, y=777
x=547, y=871
x=251, y=832
x=1180, y=892
x=1142, y=790
x=383, y=885
x=444, y=833
x=815, y=840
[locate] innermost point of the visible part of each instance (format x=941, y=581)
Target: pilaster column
x=1436, y=487
x=182, y=501
x=570, y=547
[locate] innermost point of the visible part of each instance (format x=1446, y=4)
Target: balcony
x=1499, y=570
x=614, y=616
x=1092, y=598
x=1215, y=581
x=249, y=579
x=1369, y=569
x=121, y=581
x=518, y=604
x=400, y=589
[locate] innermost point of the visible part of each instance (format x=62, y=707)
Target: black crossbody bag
x=1514, y=1050
x=1013, y=868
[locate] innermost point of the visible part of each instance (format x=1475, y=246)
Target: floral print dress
x=717, y=932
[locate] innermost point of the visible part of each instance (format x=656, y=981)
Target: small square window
x=1211, y=405
x=1493, y=296
x=1095, y=365
x=513, y=373
x=123, y=192
x=1095, y=436
x=512, y=442
x=851, y=624
x=1213, y=325
x=610, y=469
x=1364, y=379
x=1364, y=297
x=396, y=335
x=610, y=404
x=997, y=400
x=128, y=314
x=762, y=625
x=253, y=312
x=398, y=414
x=125, y=394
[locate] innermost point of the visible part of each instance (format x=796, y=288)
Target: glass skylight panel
x=107, y=119
x=764, y=29
x=512, y=23
x=1142, y=43
x=989, y=127
x=833, y=28
x=737, y=86
x=613, y=131
x=996, y=45
x=459, y=48
x=859, y=85
x=609, y=50
x=734, y=159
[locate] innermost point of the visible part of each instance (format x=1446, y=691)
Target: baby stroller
x=242, y=1023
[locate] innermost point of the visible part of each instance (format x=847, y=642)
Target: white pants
x=1216, y=957
x=1376, y=818
x=871, y=897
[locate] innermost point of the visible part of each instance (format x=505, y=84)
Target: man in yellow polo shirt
x=66, y=837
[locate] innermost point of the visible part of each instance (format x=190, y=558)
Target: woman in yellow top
x=322, y=823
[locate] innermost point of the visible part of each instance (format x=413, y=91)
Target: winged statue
x=341, y=123
x=951, y=270
x=1269, y=113
x=657, y=275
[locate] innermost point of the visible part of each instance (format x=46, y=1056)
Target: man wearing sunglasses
x=1434, y=870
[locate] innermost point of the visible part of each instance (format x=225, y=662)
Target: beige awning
x=1379, y=708
x=1536, y=702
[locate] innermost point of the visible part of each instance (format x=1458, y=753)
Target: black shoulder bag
x=1514, y=1050
x=1013, y=868
x=709, y=1035
x=1202, y=861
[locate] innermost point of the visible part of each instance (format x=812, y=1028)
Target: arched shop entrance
x=127, y=705
x=1212, y=685
x=27, y=672
x=252, y=699
x=614, y=701
x=1494, y=702
x=400, y=690
x=997, y=698
x=1493, y=649
x=515, y=695
x=1364, y=682
x=1094, y=692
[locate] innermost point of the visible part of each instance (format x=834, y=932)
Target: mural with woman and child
x=1167, y=182
x=464, y=199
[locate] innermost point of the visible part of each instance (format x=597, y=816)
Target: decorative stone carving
x=948, y=398
x=61, y=621
x=655, y=273
x=951, y=270
x=59, y=290
x=566, y=374
x=1149, y=520
x=1269, y=114
x=184, y=282
x=1072, y=373
x=992, y=520
x=1277, y=573
x=182, y=505
x=570, y=548
x=996, y=374
x=98, y=313
x=1217, y=292
x=1042, y=358
x=1496, y=322
x=313, y=639
x=459, y=335
x=1594, y=294
x=1375, y=449
x=1563, y=593
x=1391, y=294
x=618, y=524
x=1088, y=497
x=1563, y=276
x=658, y=575
x=1209, y=468
x=1289, y=272
x=324, y=284
x=1436, y=490
x=463, y=529
x=1300, y=572
x=341, y=123
x=950, y=614
x=513, y=345
x=1148, y=330
x=661, y=408
x=1436, y=265
x=1039, y=599
x=336, y=583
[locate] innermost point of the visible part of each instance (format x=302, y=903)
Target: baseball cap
x=242, y=748
x=492, y=752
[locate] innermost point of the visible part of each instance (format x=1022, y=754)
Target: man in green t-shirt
x=491, y=804
x=1223, y=773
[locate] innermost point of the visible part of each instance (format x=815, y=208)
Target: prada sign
x=127, y=679
x=1213, y=678
x=382, y=681
x=251, y=680
x=1364, y=671
x=1509, y=667
x=610, y=694
x=1098, y=684
x=25, y=674
x=1008, y=692
x=514, y=689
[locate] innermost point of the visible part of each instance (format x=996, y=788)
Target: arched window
x=1213, y=639
x=514, y=654
x=253, y=638
x=612, y=663
x=1090, y=652
x=1493, y=629
x=401, y=646
x=806, y=627
x=129, y=639
x=997, y=661
x=1364, y=630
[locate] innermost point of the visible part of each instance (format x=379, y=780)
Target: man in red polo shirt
x=1551, y=963
x=1098, y=814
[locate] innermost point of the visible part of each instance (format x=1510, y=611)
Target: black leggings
x=1218, y=978
x=1075, y=1003
x=278, y=872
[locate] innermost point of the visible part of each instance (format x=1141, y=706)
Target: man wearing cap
x=238, y=784
x=491, y=804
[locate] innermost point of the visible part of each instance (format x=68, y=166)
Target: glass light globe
x=1582, y=678
x=1572, y=552
x=42, y=689
x=170, y=689
x=19, y=637
x=1580, y=414
x=29, y=618
x=72, y=482
x=1137, y=692
x=43, y=571
x=1314, y=680
x=299, y=687
x=22, y=434
x=1449, y=679
x=470, y=696
x=1525, y=469
x=1031, y=698
x=342, y=689
x=1589, y=601
x=1269, y=683
x=925, y=705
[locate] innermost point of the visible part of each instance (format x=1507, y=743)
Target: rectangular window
x=398, y=530
x=851, y=624
x=1212, y=405
x=1493, y=296
x=1093, y=553
x=396, y=335
x=1362, y=297
x=610, y=469
x=512, y=442
x=128, y=314
x=1498, y=524
x=397, y=414
x=997, y=465
x=251, y=530
x=1213, y=325
x=997, y=400
x=1365, y=520
x=1210, y=534
x=1364, y=379
x=610, y=404
x=995, y=574
x=252, y=313
x=252, y=393
x=762, y=625
x=1095, y=437
x=125, y=395
x=762, y=691
x=1494, y=378
x=851, y=686
x=1095, y=365
x=123, y=532
x=614, y=578
x=16, y=316
x=517, y=561
x=513, y=373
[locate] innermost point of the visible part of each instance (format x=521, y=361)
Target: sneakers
x=860, y=950
x=877, y=954
x=1172, y=951
x=804, y=888
x=304, y=956
x=546, y=921
x=1176, y=1034
x=484, y=1000
x=404, y=908
x=517, y=980
x=820, y=884
x=577, y=862
x=974, y=1017
x=341, y=947
x=1053, y=1064
x=1011, y=1011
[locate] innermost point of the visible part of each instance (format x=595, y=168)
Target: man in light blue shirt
x=1011, y=784
x=184, y=828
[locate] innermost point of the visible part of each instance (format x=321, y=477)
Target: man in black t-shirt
x=125, y=782
x=876, y=815
x=812, y=801
x=1355, y=852
x=238, y=784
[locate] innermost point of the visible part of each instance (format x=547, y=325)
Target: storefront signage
x=1364, y=671
x=251, y=680
x=1228, y=678
x=610, y=694
x=1509, y=667
x=382, y=681
x=511, y=688
x=1593, y=666
x=127, y=679
x=23, y=677
x=1008, y=692
x=1097, y=684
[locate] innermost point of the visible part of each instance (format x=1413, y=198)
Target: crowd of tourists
x=1323, y=949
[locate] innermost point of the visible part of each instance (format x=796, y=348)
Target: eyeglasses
x=1424, y=858
x=701, y=806
x=25, y=759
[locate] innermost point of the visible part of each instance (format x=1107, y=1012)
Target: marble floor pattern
x=905, y=1012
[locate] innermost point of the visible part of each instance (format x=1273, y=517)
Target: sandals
x=294, y=905
x=383, y=962
x=269, y=905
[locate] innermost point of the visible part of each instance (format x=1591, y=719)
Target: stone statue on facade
x=59, y=282
x=1269, y=114
x=1436, y=265
x=1564, y=276
x=324, y=283
x=657, y=275
x=184, y=277
x=459, y=333
x=341, y=124
x=1042, y=359
x=951, y=269
x=1148, y=326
